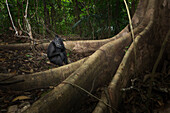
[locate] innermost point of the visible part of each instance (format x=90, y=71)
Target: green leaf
x=28, y=55
x=127, y=47
x=76, y=24
x=68, y=54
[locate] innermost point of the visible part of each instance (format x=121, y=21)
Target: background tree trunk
x=77, y=15
x=116, y=16
x=133, y=7
x=46, y=16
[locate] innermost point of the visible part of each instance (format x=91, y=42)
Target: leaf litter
x=136, y=98
x=15, y=62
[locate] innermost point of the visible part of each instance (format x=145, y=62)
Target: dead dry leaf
x=2, y=59
x=20, y=98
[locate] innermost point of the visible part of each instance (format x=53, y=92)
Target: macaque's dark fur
x=56, y=52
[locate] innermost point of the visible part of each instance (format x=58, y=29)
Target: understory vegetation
x=90, y=19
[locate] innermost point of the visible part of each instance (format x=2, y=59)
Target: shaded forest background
x=90, y=19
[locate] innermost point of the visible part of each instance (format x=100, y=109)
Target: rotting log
x=147, y=44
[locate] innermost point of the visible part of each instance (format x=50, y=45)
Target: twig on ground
x=131, y=87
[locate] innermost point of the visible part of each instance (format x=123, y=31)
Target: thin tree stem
x=16, y=32
x=131, y=28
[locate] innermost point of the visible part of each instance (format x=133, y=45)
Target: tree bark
x=100, y=65
x=46, y=16
x=53, y=13
x=109, y=17
x=77, y=15
x=133, y=7
x=39, y=80
x=148, y=43
x=18, y=6
x=117, y=15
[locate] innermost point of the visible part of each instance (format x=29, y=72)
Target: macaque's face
x=56, y=36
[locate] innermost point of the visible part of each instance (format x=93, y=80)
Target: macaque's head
x=56, y=36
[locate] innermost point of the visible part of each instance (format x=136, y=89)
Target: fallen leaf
x=160, y=103
x=24, y=70
x=13, y=72
x=2, y=59
x=31, y=70
x=48, y=62
x=20, y=98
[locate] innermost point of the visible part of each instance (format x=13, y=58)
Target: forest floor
x=25, y=61
x=135, y=98
x=18, y=62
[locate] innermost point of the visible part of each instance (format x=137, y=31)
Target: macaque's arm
x=50, y=50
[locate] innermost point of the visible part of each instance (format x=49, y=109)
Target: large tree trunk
x=102, y=65
x=148, y=45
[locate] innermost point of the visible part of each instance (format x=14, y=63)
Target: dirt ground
x=26, y=62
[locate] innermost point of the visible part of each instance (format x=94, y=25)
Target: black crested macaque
x=56, y=52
